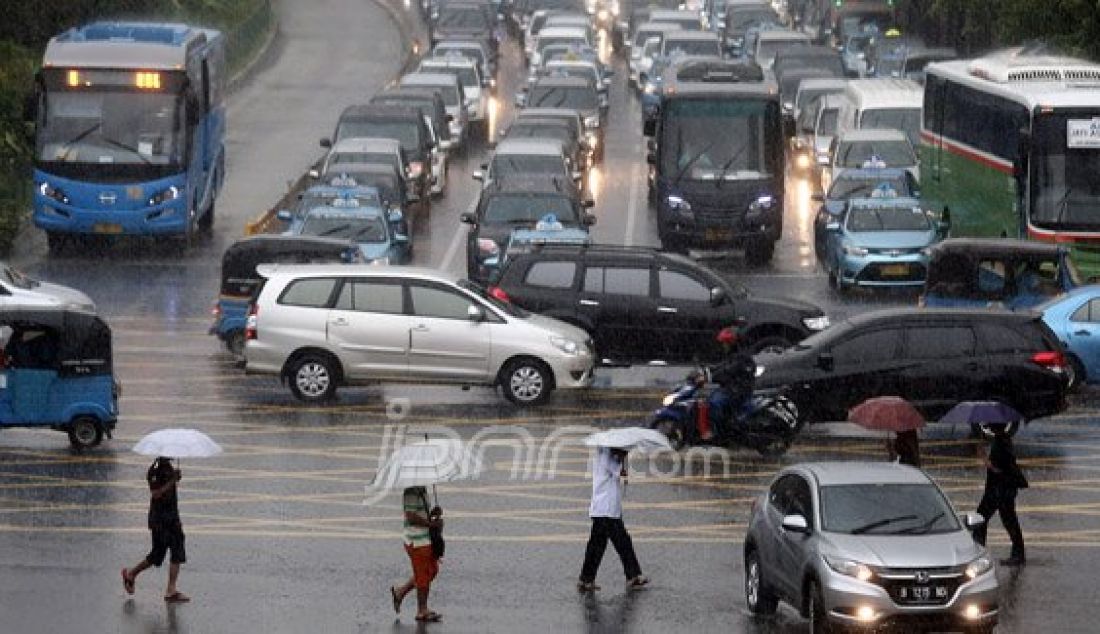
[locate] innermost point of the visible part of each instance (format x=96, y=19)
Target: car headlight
x=849, y=568
x=49, y=191
x=762, y=203
x=858, y=252
x=487, y=247
x=602, y=15
x=592, y=122
x=383, y=261
x=759, y=371
x=592, y=140
x=788, y=106
x=650, y=88
x=816, y=323
x=678, y=204
x=164, y=196
x=568, y=346
x=416, y=168
x=978, y=567
x=822, y=158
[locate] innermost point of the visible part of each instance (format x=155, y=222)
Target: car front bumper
x=573, y=371
x=880, y=270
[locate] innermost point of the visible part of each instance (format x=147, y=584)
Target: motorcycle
x=767, y=423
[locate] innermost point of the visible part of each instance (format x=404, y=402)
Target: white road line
x=456, y=242
x=632, y=205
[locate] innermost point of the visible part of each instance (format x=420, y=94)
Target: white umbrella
x=631, y=439
x=177, y=443
x=427, y=462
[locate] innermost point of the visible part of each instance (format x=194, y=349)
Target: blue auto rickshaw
x=240, y=280
x=996, y=273
x=56, y=371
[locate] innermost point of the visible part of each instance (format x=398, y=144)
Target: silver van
x=320, y=326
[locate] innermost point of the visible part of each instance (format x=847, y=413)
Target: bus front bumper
x=165, y=219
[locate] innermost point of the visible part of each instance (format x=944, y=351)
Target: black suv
x=518, y=202
x=644, y=305
x=934, y=358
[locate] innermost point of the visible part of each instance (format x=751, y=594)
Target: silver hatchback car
x=867, y=546
x=319, y=326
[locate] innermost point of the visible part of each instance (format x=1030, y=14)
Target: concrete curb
x=414, y=35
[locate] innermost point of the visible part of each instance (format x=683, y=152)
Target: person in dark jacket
x=904, y=447
x=167, y=532
x=736, y=377
x=1003, y=480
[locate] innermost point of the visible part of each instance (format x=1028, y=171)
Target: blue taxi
x=548, y=230
x=377, y=231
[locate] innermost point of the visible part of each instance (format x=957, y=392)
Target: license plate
x=922, y=593
x=895, y=270
x=717, y=235
x=106, y=227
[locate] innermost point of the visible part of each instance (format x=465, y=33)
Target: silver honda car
x=867, y=546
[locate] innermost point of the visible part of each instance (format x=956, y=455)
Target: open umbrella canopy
x=630, y=439
x=982, y=413
x=177, y=443
x=428, y=462
x=886, y=413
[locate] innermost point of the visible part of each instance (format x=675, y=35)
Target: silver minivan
x=865, y=546
x=320, y=326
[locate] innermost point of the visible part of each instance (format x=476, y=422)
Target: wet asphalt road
x=279, y=536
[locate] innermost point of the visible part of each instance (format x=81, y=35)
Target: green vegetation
x=26, y=28
x=972, y=26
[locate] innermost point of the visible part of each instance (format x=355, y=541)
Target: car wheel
x=771, y=343
x=1077, y=374
x=526, y=382
x=313, y=379
x=758, y=596
x=85, y=432
x=672, y=431
x=819, y=620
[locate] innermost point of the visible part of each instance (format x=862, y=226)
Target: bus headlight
x=164, y=196
x=49, y=191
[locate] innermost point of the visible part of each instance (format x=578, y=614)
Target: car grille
x=901, y=582
x=895, y=252
x=879, y=272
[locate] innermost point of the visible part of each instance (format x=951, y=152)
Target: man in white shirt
x=606, y=511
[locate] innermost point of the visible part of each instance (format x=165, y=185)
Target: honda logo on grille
x=107, y=198
x=922, y=576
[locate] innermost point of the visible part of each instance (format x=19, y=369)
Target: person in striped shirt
x=419, y=517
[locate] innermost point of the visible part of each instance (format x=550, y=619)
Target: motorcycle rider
x=736, y=379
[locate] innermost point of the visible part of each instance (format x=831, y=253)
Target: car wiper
x=728, y=164
x=921, y=529
x=880, y=523
x=334, y=230
x=694, y=159
x=83, y=134
x=1063, y=205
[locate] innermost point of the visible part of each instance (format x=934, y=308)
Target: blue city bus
x=130, y=131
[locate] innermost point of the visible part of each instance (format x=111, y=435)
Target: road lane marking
x=632, y=203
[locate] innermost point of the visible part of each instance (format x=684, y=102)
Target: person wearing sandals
x=419, y=517
x=606, y=511
x=166, y=529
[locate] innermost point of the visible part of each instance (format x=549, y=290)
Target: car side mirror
x=326, y=142
x=450, y=118
x=395, y=216
x=446, y=144
x=478, y=175
x=717, y=296
x=972, y=520
x=467, y=218
x=818, y=198
x=577, y=177
x=475, y=313
x=832, y=225
x=651, y=157
x=589, y=220
x=521, y=99
x=825, y=361
x=401, y=237
x=796, y=524
x=284, y=215
x=314, y=174
x=588, y=203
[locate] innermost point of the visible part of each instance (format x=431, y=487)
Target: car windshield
x=313, y=199
x=827, y=124
x=1065, y=187
x=505, y=209
x=473, y=52
x=766, y=50
x=891, y=218
x=462, y=18
x=573, y=97
x=406, y=132
x=370, y=229
x=845, y=188
x=386, y=158
x=512, y=164
x=886, y=509
x=807, y=95
x=449, y=93
x=572, y=41
x=697, y=153
x=874, y=153
x=692, y=47
x=740, y=19
x=111, y=127
x=556, y=132
x=466, y=75
x=906, y=120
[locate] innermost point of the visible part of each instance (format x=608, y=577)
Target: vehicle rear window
x=617, y=281
x=998, y=338
x=551, y=274
x=310, y=293
x=675, y=285
x=372, y=297
x=940, y=342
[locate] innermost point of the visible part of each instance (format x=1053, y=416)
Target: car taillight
x=497, y=292
x=1051, y=360
x=250, y=324
x=216, y=310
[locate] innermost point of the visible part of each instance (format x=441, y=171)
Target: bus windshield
x=116, y=127
x=695, y=152
x=905, y=119
x=1066, y=170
